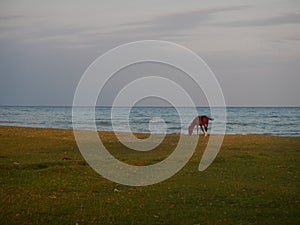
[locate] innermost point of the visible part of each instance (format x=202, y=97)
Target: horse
x=201, y=121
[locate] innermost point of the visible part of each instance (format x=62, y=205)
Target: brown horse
x=201, y=121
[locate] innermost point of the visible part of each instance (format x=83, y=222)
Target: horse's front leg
x=202, y=130
x=205, y=129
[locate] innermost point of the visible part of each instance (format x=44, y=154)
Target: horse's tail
x=210, y=118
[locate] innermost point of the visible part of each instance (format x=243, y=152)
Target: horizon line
x=162, y=106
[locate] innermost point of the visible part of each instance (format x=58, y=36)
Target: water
x=279, y=121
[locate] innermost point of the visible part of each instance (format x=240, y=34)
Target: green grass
x=255, y=179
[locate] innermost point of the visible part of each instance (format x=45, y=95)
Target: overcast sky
x=253, y=47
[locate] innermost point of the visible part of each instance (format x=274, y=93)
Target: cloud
x=171, y=26
x=289, y=18
x=293, y=37
x=177, y=21
x=10, y=17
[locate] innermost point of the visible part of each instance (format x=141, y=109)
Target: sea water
x=279, y=121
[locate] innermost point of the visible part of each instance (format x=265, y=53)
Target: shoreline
x=145, y=133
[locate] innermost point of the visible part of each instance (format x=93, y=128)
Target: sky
x=253, y=47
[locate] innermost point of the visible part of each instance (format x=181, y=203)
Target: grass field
x=255, y=179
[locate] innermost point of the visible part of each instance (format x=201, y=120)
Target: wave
x=238, y=123
x=175, y=128
x=104, y=123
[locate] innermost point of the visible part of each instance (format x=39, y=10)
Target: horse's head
x=191, y=129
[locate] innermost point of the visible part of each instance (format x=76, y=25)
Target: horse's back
x=203, y=120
